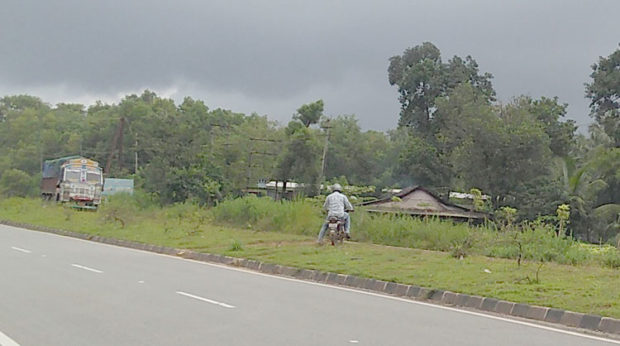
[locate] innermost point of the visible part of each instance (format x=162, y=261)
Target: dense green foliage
x=604, y=93
x=452, y=136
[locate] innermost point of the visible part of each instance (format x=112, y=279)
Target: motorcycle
x=336, y=227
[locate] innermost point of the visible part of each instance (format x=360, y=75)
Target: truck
x=72, y=179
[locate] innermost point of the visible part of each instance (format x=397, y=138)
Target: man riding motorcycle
x=337, y=204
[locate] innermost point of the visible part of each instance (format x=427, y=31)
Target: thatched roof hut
x=419, y=201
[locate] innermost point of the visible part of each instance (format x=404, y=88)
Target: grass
x=596, y=291
x=530, y=241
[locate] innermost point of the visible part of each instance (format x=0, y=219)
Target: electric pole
x=326, y=127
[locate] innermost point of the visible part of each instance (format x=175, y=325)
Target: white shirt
x=336, y=204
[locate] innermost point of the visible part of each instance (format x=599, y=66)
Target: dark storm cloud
x=265, y=49
x=272, y=56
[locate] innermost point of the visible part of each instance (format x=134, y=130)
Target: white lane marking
x=415, y=302
x=6, y=341
x=20, y=249
x=141, y=282
x=354, y=341
x=87, y=268
x=533, y=325
x=206, y=300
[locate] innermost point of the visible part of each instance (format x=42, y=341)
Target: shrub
x=119, y=208
x=16, y=183
x=298, y=217
x=612, y=259
x=235, y=246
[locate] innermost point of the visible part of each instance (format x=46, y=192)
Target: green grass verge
x=588, y=288
x=535, y=241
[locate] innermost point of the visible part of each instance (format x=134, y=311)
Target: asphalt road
x=62, y=291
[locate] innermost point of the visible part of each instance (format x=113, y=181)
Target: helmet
x=337, y=187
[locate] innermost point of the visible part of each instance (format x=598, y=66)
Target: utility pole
x=39, y=141
x=135, y=169
x=247, y=185
x=120, y=146
x=252, y=152
x=326, y=127
x=118, y=138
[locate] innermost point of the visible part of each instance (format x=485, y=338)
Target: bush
x=119, y=208
x=16, y=183
x=298, y=217
x=236, y=246
x=407, y=231
x=612, y=259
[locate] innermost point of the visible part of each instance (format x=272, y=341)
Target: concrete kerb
x=241, y=262
x=520, y=310
x=590, y=322
x=449, y=298
x=253, y=264
x=503, y=307
x=340, y=279
x=554, y=315
x=401, y=290
x=389, y=288
x=332, y=279
x=474, y=302
x=413, y=291
x=489, y=304
x=461, y=299
x=537, y=312
x=424, y=293
x=349, y=281
x=268, y=268
x=379, y=285
x=307, y=274
x=609, y=325
x=359, y=282
x=370, y=284
x=571, y=319
x=288, y=271
x=321, y=276
x=567, y=318
x=436, y=295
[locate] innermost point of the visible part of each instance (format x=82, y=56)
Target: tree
x=421, y=77
x=549, y=112
x=504, y=151
x=20, y=103
x=300, y=159
x=310, y=113
x=418, y=75
x=357, y=155
x=604, y=94
x=458, y=71
x=594, y=191
x=421, y=163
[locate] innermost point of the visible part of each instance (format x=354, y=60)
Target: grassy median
x=589, y=287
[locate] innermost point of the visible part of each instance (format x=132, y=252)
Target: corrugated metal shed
x=113, y=186
x=419, y=201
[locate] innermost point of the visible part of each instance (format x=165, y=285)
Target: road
x=57, y=290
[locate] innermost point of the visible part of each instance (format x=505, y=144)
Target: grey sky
x=272, y=56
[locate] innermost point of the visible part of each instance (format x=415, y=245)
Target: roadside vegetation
x=452, y=135
x=553, y=193
x=529, y=263
x=532, y=241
